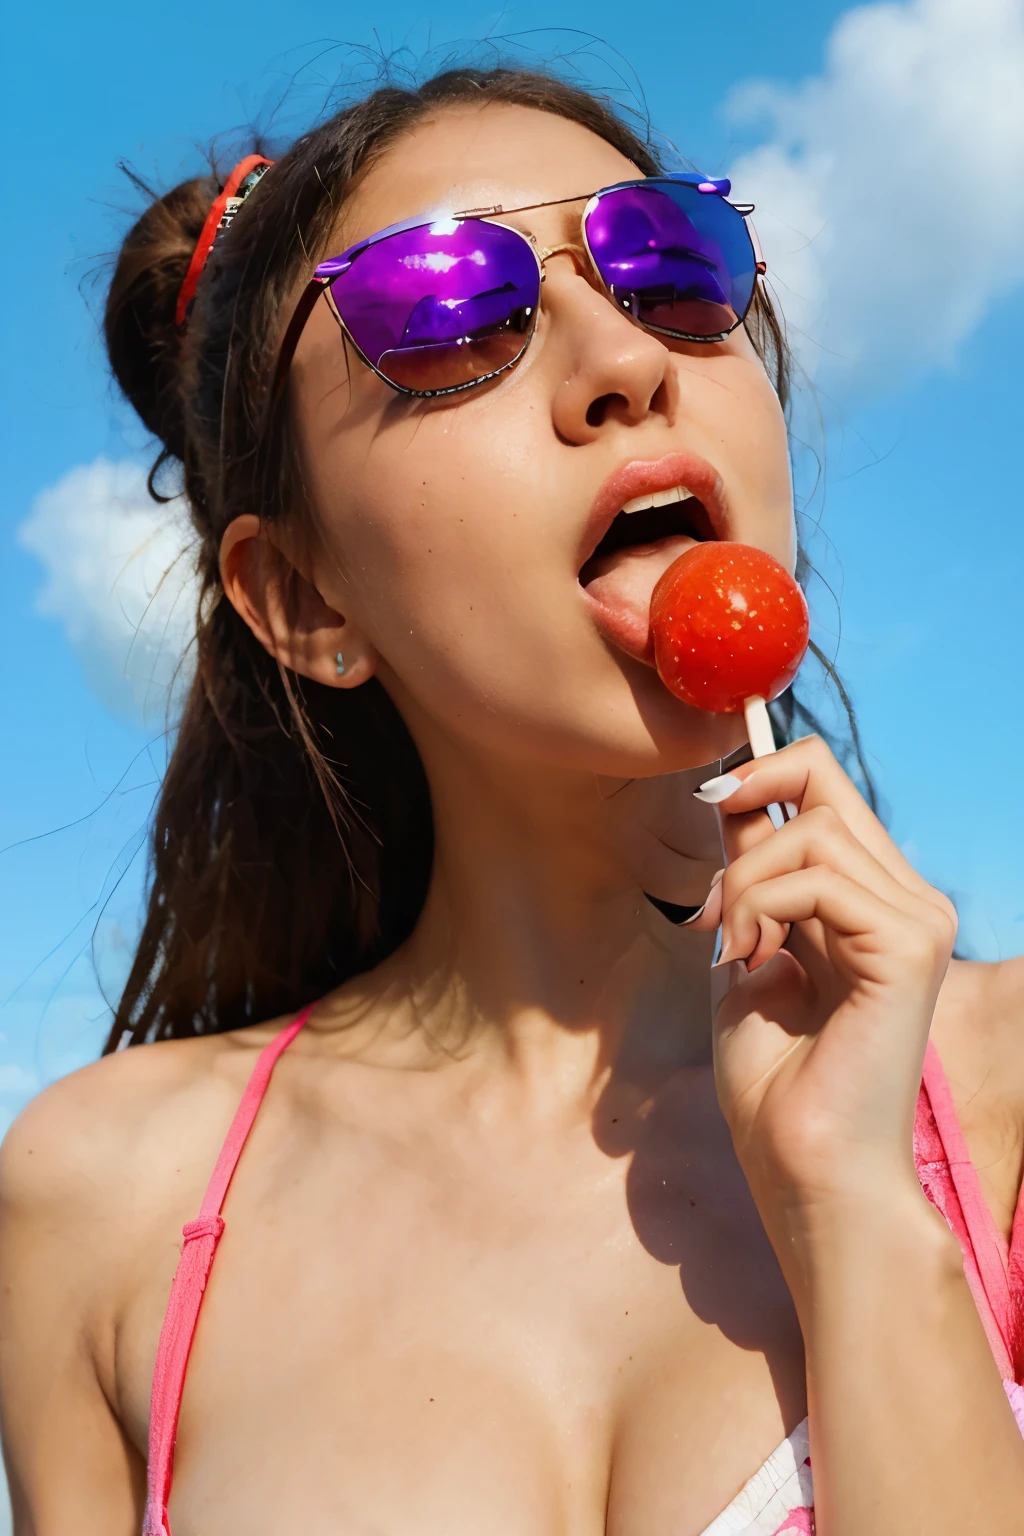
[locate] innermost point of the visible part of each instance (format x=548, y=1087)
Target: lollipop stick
x=759, y=726
x=762, y=744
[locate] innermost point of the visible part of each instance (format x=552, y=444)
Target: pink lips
x=619, y=594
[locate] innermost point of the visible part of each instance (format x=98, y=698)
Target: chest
x=563, y=1342
x=995, y=1140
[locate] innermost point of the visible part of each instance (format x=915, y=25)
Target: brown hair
x=292, y=838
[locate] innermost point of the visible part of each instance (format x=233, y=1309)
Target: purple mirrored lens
x=438, y=306
x=677, y=259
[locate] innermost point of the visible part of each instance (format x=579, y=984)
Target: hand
x=819, y=1045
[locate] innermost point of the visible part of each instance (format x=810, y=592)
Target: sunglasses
x=441, y=305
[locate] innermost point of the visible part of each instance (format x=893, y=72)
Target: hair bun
x=142, y=340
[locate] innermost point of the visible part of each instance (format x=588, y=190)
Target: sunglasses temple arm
x=290, y=340
x=762, y=265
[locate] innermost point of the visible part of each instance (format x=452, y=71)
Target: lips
x=630, y=551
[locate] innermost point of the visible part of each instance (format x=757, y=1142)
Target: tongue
x=620, y=585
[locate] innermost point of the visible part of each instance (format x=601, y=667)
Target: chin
x=647, y=747
x=666, y=735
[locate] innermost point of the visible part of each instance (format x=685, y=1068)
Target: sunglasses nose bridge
x=580, y=256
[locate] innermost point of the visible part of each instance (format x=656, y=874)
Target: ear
x=286, y=613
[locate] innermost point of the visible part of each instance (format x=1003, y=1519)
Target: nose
x=613, y=373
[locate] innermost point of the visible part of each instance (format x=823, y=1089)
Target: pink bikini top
x=995, y=1272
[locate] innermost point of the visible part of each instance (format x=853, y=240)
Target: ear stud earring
x=339, y=664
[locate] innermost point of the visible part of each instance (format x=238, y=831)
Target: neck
x=537, y=946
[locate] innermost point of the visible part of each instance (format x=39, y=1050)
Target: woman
x=518, y=1243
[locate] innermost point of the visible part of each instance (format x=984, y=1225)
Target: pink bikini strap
x=951, y=1182
x=197, y=1255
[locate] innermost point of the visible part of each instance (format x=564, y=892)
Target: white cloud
x=120, y=578
x=890, y=190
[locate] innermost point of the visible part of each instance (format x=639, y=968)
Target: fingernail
x=702, y=909
x=714, y=791
x=776, y=817
x=791, y=809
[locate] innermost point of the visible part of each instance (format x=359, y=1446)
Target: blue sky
x=885, y=148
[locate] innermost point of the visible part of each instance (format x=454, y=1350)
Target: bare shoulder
x=1008, y=990
x=122, y=1141
x=979, y=1024
x=94, y=1176
x=1004, y=1001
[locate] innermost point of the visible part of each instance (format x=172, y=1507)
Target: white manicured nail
x=714, y=791
x=791, y=810
x=776, y=817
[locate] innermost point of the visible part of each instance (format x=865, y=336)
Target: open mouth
x=683, y=516
x=639, y=546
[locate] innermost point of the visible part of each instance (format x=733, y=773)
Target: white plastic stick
x=762, y=744
x=759, y=726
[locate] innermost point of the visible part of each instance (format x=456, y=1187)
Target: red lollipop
x=730, y=629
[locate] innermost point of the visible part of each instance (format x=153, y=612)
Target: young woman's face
x=458, y=534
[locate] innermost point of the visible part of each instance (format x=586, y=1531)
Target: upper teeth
x=657, y=499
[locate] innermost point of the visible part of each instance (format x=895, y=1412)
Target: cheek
x=747, y=420
x=451, y=550
x=766, y=415
x=763, y=446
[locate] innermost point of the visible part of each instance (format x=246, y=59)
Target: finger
x=808, y=943
x=771, y=936
x=743, y=831
x=883, y=943
x=752, y=926
x=806, y=774
x=818, y=836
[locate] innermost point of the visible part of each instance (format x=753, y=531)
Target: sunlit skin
x=502, y=1252
x=453, y=529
